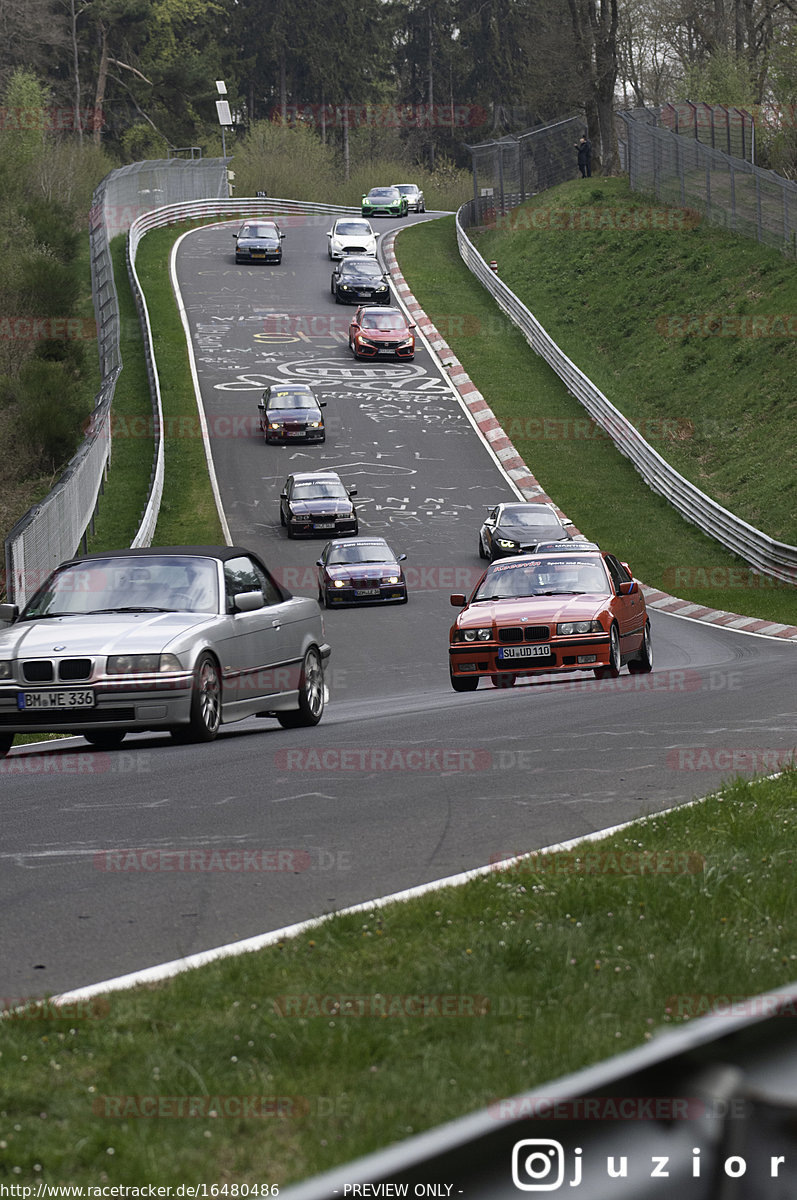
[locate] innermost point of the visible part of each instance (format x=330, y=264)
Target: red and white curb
x=491, y=431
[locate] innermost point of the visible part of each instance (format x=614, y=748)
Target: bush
x=52, y=411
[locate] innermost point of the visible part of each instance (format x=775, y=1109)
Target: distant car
x=356, y=279
x=317, y=502
x=518, y=528
x=384, y=202
x=415, y=200
x=180, y=639
x=351, y=235
x=360, y=570
x=550, y=612
x=290, y=412
x=259, y=241
x=377, y=332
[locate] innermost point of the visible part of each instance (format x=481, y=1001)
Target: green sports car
x=385, y=202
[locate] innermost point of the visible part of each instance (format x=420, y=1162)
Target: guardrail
x=158, y=218
x=704, y=1112
x=755, y=547
x=52, y=530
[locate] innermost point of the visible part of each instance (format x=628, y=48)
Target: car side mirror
x=247, y=601
x=235, y=235
x=329, y=233
x=458, y=600
x=282, y=236
x=261, y=404
x=412, y=326
x=8, y=613
x=352, y=490
x=322, y=403
x=628, y=589
x=283, y=495
x=401, y=558
x=319, y=562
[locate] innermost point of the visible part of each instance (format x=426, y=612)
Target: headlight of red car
x=567, y=627
x=474, y=635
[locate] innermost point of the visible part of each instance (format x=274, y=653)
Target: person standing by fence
x=584, y=148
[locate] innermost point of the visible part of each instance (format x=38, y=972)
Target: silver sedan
x=179, y=639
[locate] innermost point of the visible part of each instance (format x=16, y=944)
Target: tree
x=595, y=25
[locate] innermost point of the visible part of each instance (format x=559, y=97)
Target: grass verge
x=585, y=474
x=325, y=1036
x=689, y=329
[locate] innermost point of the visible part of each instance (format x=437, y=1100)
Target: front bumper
x=138, y=703
x=386, y=593
x=383, y=351
x=563, y=654
x=283, y=436
x=324, y=526
x=350, y=295
x=269, y=256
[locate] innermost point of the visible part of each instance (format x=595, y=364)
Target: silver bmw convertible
x=182, y=639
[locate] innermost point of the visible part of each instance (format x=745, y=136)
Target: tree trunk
x=73, y=23
x=346, y=140
x=102, y=76
x=430, y=97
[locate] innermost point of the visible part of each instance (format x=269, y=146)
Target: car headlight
x=142, y=664
x=568, y=627
x=314, y=424
x=5, y=670
x=505, y=543
x=475, y=635
x=344, y=287
x=339, y=583
x=392, y=579
x=275, y=424
x=301, y=517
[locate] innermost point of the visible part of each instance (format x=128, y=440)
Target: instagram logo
x=538, y=1165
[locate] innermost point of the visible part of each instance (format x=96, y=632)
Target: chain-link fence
x=728, y=191
x=52, y=530
x=721, y=126
x=511, y=169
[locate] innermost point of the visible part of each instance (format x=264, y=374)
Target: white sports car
x=351, y=235
x=180, y=639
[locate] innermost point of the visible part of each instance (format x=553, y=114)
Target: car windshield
x=347, y=228
x=383, y=193
x=533, y=517
x=292, y=400
x=544, y=577
x=258, y=231
x=384, y=322
x=373, y=552
x=318, y=489
x=138, y=583
x=407, y=189
x=362, y=268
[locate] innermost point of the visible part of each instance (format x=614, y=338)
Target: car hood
x=104, y=633
x=363, y=280
x=362, y=570
x=386, y=335
x=530, y=534
x=536, y=610
x=293, y=414
x=269, y=243
x=328, y=504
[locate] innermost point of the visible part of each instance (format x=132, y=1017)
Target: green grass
x=127, y=488
x=534, y=953
x=583, y=472
x=722, y=407
x=188, y=514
